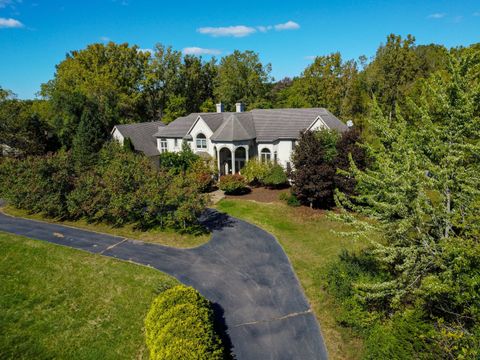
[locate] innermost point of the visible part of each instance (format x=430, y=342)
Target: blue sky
x=36, y=35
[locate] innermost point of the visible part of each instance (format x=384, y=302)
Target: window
x=176, y=142
x=201, y=141
x=275, y=157
x=265, y=155
x=163, y=145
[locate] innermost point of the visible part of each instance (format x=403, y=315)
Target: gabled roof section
x=141, y=135
x=273, y=124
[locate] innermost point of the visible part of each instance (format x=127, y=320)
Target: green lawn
x=164, y=237
x=63, y=303
x=310, y=244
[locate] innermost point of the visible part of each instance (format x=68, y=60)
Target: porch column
x=218, y=161
x=233, y=160
x=247, y=149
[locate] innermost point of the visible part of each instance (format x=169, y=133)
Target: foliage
x=88, y=139
x=255, y=171
x=108, y=75
x=423, y=194
x=121, y=188
x=349, y=148
x=38, y=184
x=179, y=324
x=23, y=127
x=241, y=78
x=178, y=162
x=314, y=169
x=276, y=177
x=232, y=184
x=289, y=198
x=202, y=172
x=328, y=82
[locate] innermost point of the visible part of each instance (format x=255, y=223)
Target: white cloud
x=264, y=28
x=310, y=57
x=104, y=38
x=235, y=31
x=200, y=51
x=476, y=13
x=436, y=16
x=289, y=25
x=10, y=23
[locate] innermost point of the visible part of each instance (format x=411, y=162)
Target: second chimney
x=239, y=107
x=219, y=107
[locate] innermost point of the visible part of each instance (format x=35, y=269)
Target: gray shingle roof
x=273, y=124
x=263, y=124
x=141, y=135
x=238, y=126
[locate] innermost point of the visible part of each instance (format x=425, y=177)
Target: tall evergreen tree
x=89, y=138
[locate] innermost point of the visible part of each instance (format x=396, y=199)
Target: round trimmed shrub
x=179, y=325
x=233, y=184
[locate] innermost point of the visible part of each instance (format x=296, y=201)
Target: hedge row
x=179, y=325
x=122, y=187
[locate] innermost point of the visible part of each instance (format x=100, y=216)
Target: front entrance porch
x=231, y=160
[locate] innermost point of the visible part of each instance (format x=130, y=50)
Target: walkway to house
x=242, y=270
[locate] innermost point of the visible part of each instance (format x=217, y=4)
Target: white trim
x=320, y=119
x=195, y=123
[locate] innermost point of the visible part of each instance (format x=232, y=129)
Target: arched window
x=201, y=141
x=265, y=155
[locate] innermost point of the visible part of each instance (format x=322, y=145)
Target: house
x=141, y=137
x=232, y=138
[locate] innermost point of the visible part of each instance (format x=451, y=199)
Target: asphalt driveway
x=242, y=270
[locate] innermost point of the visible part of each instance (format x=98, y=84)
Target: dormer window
x=201, y=141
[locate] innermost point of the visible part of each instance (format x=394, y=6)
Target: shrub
x=255, y=171
x=38, y=184
x=201, y=173
x=122, y=187
x=289, y=198
x=232, y=184
x=276, y=177
x=179, y=325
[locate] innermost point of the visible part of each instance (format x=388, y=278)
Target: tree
x=349, y=148
x=393, y=70
x=23, y=127
x=313, y=161
x=241, y=78
x=109, y=75
x=328, y=82
x=424, y=194
x=88, y=139
x=162, y=80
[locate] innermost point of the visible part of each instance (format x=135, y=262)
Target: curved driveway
x=242, y=270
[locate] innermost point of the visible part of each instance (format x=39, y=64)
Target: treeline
x=122, y=84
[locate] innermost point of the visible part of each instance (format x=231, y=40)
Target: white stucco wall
x=117, y=136
x=201, y=127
